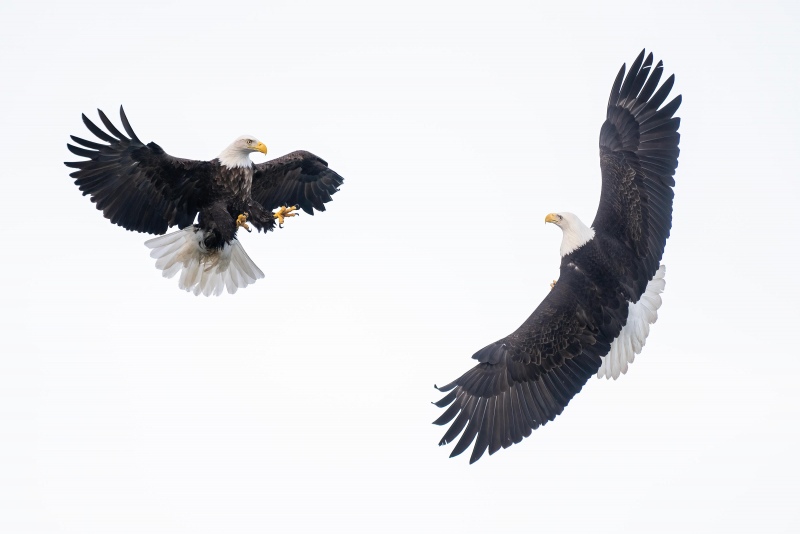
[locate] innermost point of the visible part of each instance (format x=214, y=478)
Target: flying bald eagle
x=142, y=188
x=598, y=314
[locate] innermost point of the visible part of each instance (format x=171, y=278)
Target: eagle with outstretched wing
x=598, y=314
x=142, y=188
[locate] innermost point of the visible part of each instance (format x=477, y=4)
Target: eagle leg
x=241, y=222
x=284, y=212
x=553, y=285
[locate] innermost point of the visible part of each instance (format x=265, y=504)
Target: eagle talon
x=553, y=285
x=284, y=212
x=241, y=222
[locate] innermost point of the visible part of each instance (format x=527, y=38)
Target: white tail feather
x=633, y=336
x=202, y=270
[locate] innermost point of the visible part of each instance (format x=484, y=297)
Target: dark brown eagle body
x=230, y=196
x=598, y=314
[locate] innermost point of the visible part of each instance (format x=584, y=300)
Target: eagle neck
x=233, y=158
x=574, y=236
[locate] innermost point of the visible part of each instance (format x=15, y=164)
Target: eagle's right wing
x=527, y=378
x=139, y=187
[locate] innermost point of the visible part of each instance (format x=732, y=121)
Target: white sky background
x=303, y=402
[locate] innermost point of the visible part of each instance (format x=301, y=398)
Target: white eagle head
x=237, y=153
x=575, y=233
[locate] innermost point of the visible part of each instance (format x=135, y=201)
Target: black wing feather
x=139, y=187
x=296, y=179
x=127, y=125
x=110, y=126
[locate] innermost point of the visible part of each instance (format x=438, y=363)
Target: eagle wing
x=139, y=187
x=527, y=378
x=638, y=157
x=299, y=178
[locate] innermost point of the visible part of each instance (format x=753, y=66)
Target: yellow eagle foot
x=553, y=285
x=241, y=222
x=284, y=212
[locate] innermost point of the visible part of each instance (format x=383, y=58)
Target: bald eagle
x=598, y=314
x=142, y=188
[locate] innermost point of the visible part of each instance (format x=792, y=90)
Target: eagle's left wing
x=296, y=179
x=638, y=157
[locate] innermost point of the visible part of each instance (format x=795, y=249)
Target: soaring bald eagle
x=598, y=314
x=142, y=188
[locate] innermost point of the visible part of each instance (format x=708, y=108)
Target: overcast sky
x=303, y=402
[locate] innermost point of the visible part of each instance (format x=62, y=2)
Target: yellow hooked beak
x=551, y=218
x=261, y=147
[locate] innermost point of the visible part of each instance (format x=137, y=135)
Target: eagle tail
x=203, y=270
x=633, y=336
